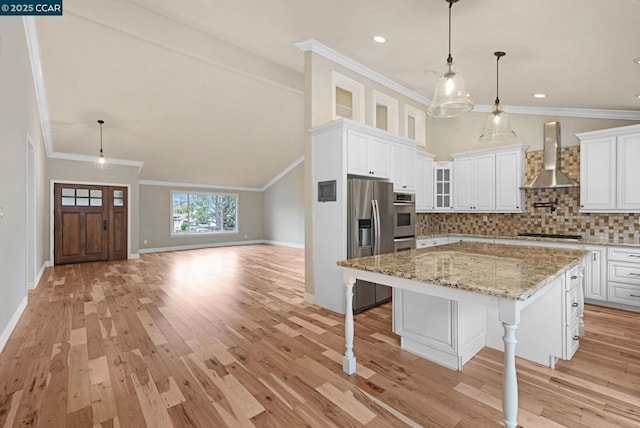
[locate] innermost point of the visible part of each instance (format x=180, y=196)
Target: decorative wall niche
x=385, y=112
x=347, y=98
x=415, y=124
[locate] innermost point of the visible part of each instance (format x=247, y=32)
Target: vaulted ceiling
x=211, y=91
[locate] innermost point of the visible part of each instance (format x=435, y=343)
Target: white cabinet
x=489, y=180
x=595, y=275
x=624, y=275
x=424, y=182
x=510, y=175
x=403, y=166
x=443, y=176
x=474, y=183
x=431, y=242
x=367, y=155
x=609, y=174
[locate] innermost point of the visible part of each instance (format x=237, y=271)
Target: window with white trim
x=203, y=212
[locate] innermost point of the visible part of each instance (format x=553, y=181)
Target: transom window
x=200, y=212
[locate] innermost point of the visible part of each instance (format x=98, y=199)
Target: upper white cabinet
x=424, y=181
x=443, y=176
x=403, y=167
x=367, y=155
x=489, y=180
x=609, y=174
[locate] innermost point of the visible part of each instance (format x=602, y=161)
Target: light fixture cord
x=100, y=139
x=450, y=58
x=497, y=79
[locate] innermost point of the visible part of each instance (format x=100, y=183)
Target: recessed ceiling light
x=637, y=95
x=379, y=39
x=637, y=60
x=539, y=95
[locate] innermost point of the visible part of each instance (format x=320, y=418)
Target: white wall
x=18, y=117
x=284, y=209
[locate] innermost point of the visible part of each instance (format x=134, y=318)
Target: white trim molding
x=357, y=96
x=335, y=56
x=197, y=186
x=284, y=172
x=198, y=246
x=283, y=244
x=134, y=256
x=309, y=298
x=6, y=333
x=38, y=277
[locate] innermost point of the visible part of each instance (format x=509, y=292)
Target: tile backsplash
x=566, y=219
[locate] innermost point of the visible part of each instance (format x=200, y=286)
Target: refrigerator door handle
x=376, y=230
x=374, y=236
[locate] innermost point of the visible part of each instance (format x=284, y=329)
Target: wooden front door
x=90, y=223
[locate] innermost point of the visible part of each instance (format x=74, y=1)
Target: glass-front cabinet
x=443, y=186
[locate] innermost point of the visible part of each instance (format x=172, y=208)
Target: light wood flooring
x=222, y=337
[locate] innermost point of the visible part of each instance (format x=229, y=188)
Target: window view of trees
x=204, y=213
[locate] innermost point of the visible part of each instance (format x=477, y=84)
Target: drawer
x=624, y=294
x=627, y=254
x=572, y=339
x=430, y=242
x=571, y=302
x=573, y=277
x=624, y=272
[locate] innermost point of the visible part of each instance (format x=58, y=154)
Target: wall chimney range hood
x=551, y=177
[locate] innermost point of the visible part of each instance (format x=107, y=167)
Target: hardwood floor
x=221, y=337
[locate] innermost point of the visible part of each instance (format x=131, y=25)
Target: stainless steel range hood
x=551, y=177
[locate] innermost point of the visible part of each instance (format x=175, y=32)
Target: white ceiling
x=211, y=91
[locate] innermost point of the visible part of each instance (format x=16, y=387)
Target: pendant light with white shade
x=101, y=162
x=450, y=98
x=498, y=126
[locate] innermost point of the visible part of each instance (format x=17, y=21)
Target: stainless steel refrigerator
x=370, y=232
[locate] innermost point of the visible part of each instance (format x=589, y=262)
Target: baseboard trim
x=198, y=246
x=38, y=277
x=309, y=298
x=12, y=323
x=134, y=256
x=284, y=244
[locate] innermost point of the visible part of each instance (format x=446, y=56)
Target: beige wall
x=460, y=134
x=85, y=172
x=19, y=113
x=284, y=208
x=155, y=219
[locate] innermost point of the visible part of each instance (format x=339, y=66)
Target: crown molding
x=286, y=171
x=565, y=112
x=197, y=186
x=335, y=56
x=621, y=130
x=321, y=49
x=31, y=35
x=92, y=159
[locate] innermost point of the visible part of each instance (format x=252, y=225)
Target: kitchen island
x=503, y=278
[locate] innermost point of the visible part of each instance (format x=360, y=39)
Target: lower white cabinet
x=595, y=275
x=624, y=275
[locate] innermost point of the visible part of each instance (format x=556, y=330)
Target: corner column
x=349, y=360
x=510, y=318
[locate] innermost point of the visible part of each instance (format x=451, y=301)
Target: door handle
x=104, y=225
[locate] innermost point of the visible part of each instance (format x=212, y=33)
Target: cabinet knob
x=518, y=207
x=576, y=337
x=581, y=206
x=574, y=304
x=574, y=277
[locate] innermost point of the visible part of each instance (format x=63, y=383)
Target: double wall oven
x=404, y=221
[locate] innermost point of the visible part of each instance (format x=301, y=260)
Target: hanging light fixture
x=101, y=162
x=450, y=98
x=498, y=126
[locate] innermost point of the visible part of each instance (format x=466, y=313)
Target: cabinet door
x=442, y=188
x=484, y=181
x=595, y=281
x=358, y=153
x=462, y=184
x=628, y=171
x=597, y=174
x=509, y=178
x=408, y=169
x=379, y=157
x=424, y=184
x=395, y=166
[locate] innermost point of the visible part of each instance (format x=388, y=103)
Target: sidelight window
x=200, y=213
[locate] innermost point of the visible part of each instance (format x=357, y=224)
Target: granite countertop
x=505, y=271
x=588, y=241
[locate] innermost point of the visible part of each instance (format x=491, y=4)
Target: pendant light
x=498, y=126
x=101, y=162
x=450, y=98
